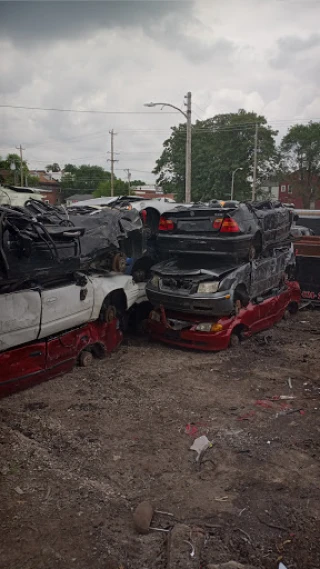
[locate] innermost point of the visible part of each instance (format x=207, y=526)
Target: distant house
x=150, y=192
x=77, y=198
x=294, y=190
x=50, y=187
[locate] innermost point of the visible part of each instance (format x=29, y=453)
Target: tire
x=234, y=341
x=241, y=299
x=119, y=263
x=85, y=359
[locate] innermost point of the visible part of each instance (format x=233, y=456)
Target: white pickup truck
x=33, y=314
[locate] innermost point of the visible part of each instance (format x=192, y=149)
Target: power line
x=87, y=111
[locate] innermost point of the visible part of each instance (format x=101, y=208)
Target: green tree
x=219, y=145
x=53, y=167
x=83, y=178
x=33, y=181
x=121, y=188
x=137, y=183
x=300, y=149
x=14, y=175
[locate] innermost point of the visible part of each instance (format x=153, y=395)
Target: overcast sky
x=260, y=55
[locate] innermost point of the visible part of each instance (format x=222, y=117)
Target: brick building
x=50, y=188
x=294, y=190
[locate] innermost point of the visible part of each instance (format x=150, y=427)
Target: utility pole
x=255, y=158
x=188, y=149
x=129, y=177
x=21, y=164
x=112, y=160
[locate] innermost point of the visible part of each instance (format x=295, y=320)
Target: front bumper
x=188, y=338
x=218, y=304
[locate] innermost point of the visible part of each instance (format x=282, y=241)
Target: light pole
x=187, y=116
x=232, y=181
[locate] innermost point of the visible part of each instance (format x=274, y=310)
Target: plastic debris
x=247, y=417
x=282, y=566
x=263, y=403
x=200, y=445
x=290, y=382
x=191, y=429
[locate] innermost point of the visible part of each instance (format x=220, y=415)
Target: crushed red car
x=209, y=334
x=32, y=363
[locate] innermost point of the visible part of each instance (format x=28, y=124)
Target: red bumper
x=28, y=365
x=254, y=318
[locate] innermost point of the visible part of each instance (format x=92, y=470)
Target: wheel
x=108, y=313
x=234, y=341
x=241, y=299
x=119, y=263
x=85, y=359
x=255, y=247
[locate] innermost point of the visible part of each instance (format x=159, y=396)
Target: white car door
x=20, y=314
x=65, y=307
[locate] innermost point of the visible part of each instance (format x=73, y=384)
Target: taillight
x=144, y=214
x=229, y=225
x=165, y=224
x=217, y=223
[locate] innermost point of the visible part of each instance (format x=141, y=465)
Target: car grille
x=177, y=284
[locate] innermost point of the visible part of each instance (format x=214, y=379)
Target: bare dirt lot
x=80, y=452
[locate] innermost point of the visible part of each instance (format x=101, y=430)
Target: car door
x=65, y=307
x=264, y=276
x=20, y=314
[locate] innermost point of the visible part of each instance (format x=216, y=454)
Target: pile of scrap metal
x=307, y=251
x=39, y=242
x=217, y=261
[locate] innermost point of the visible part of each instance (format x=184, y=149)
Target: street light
x=232, y=181
x=187, y=115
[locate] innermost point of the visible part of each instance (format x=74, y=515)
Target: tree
x=32, y=181
x=137, y=183
x=83, y=178
x=53, y=167
x=219, y=145
x=13, y=176
x=301, y=153
x=121, y=188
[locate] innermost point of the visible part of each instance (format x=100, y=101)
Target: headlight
x=207, y=327
x=203, y=327
x=155, y=281
x=208, y=287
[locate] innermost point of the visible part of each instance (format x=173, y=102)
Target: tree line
x=225, y=142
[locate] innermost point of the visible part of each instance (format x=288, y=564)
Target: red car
x=39, y=361
x=209, y=334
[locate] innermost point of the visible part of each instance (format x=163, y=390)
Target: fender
x=104, y=285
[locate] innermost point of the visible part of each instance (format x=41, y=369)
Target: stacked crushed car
x=63, y=289
x=218, y=261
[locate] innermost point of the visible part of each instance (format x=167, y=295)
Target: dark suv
x=203, y=285
x=243, y=231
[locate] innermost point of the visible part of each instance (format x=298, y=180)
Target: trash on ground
x=282, y=566
x=247, y=416
x=142, y=518
x=184, y=547
x=263, y=403
x=200, y=445
x=290, y=382
x=191, y=429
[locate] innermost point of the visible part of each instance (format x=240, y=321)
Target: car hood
x=195, y=267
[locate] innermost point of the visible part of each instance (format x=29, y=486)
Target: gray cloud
x=291, y=48
x=45, y=21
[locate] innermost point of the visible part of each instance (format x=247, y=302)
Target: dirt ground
x=80, y=452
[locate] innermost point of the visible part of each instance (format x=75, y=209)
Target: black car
x=220, y=286
x=243, y=231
